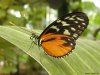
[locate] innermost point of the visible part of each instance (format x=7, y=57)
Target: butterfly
x=59, y=38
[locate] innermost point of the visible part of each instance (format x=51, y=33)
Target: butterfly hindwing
x=57, y=45
x=58, y=39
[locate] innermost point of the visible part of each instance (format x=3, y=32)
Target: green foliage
x=97, y=19
x=22, y=13
x=93, y=13
x=2, y=13
x=4, y=4
x=84, y=59
x=88, y=6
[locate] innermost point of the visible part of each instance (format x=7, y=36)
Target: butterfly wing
x=72, y=24
x=70, y=27
x=57, y=45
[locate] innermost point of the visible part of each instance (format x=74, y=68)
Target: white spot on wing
x=64, y=23
x=73, y=29
x=67, y=17
x=71, y=44
x=76, y=21
x=75, y=35
x=74, y=16
x=80, y=19
x=67, y=32
x=58, y=21
x=83, y=23
x=54, y=27
x=79, y=26
x=71, y=18
x=69, y=39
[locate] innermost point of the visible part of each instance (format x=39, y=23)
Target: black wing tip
x=83, y=14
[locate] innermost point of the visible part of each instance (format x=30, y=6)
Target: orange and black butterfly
x=58, y=39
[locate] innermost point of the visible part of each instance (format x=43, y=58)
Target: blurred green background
x=38, y=14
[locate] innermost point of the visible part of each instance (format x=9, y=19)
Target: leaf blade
x=80, y=61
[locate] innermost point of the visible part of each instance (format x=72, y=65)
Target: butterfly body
x=58, y=39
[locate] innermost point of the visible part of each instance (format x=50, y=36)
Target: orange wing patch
x=57, y=45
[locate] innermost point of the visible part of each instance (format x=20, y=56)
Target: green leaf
x=4, y=4
x=85, y=59
x=2, y=13
x=88, y=6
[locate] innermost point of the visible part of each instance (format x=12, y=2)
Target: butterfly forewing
x=72, y=24
x=58, y=39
